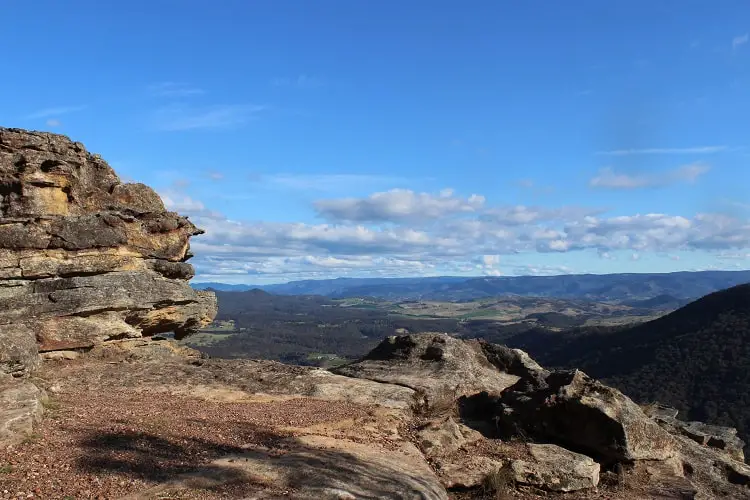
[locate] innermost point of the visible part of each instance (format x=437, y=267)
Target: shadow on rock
x=305, y=466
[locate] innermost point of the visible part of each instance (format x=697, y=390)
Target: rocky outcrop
x=713, y=436
x=85, y=258
x=439, y=367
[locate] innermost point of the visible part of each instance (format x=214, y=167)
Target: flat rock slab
x=20, y=410
x=319, y=467
x=556, y=469
x=326, y=385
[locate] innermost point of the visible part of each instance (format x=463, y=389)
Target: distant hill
x=672, y=289
x=224, y=287
x=696, y=359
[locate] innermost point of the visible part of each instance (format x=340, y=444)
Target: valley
x=320, y=331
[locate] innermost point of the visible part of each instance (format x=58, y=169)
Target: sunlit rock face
x=84, y=257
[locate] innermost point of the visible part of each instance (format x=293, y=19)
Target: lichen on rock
x=84, y=257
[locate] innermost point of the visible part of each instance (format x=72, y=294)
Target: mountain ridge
x=680, y=286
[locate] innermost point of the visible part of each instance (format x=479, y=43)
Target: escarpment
x=84, y=257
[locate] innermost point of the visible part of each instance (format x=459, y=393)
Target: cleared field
x=205, y=338
x=220, y=326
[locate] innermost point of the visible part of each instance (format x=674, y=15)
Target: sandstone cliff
x=84, y=257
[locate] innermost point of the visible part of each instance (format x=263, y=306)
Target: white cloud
x=522, y=214
x=398, y=204
x=214, y=175
x=180, y=118
x=53, y=122
x=740, y=40
x=542, y=270
x=57, y=111
x=665, y=151
x=734, y=256
x=608, y=178
x=178, y=202
x=174, y=89
x=489, y=265
x=403, y=233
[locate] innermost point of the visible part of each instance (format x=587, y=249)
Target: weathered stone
x=444, y=436
x=513, y=361
x=576, y=411
x=326, y=385
x=439, y=366
x=60, y=355
x=20, y=409
x=724, y=439
x=712, y=472
x=556, y=469
x=143, y=349
x=471, y=472
x=18, y=350
x=137, y=197
x=85, y=258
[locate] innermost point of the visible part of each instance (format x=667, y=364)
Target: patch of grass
x=205, y=338
x=6, y=469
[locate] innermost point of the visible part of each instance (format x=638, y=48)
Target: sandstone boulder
x=18, y=350
x=556, y=469
x=20, y=409
x=580, y=413
x=444, y=436
x=473, y=472
x=85, y=258
x=440, y=367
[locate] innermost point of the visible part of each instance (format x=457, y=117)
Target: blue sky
x=370, y=138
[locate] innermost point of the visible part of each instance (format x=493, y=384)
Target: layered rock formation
x=84, y=257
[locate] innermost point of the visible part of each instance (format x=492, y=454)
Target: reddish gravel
x=105, y=445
